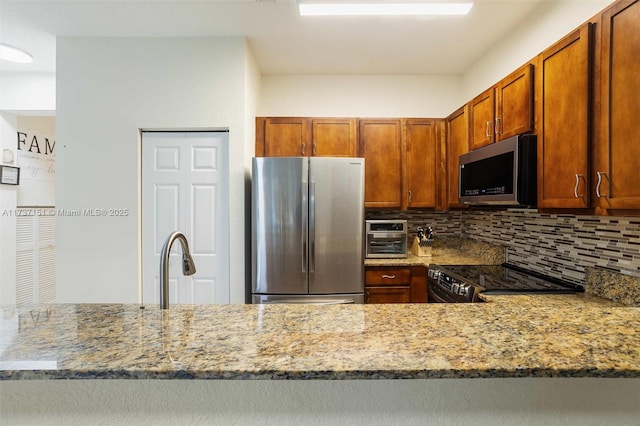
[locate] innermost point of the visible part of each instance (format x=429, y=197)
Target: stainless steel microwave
x=503, y=173
x=386, y=238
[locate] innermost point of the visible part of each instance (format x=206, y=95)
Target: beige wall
x=360, y=95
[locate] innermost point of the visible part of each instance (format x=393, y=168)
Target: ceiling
x=282, y=42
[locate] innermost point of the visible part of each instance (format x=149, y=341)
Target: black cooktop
x=507, y=278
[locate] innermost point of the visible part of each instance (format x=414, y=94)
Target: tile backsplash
x=553, y=244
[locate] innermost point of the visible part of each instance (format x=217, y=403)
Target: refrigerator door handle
x=310, y=302
x=305, y=226
x=312, y=228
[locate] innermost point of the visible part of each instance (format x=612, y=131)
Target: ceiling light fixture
x=378, y=9
x=14, y=54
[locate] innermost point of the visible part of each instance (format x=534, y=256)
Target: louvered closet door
x=35, y=256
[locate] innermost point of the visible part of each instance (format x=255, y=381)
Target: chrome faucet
x=188, y=267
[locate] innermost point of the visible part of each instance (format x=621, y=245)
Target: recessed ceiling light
x=14, y=54
x=377, y=9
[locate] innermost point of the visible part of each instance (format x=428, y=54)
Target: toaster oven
x=386, y=238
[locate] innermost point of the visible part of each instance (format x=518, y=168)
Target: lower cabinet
x=395, y=284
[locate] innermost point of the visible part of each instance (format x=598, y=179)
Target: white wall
x=494, y=402
x=551, y=21
x=8, y=202
x=252, y=84
x=360, y=95
x=30, y=93
x=107, y=89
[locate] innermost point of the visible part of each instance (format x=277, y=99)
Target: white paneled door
x=185, y=188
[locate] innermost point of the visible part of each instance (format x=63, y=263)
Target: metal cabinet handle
x=314, y=149
x=575, y=189
x=497, y=126
x=600, y=174
x=391, y=277
x=303, y=146
x=410, y=197
x=486, y=130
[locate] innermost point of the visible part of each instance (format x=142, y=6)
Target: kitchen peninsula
x=510, y=336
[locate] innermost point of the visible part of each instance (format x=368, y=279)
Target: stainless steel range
x=463, y=283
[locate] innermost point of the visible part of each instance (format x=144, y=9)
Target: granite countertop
x=510, y=336
x=440, y=259
x=449, y=252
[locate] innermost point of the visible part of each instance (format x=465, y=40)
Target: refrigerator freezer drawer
x=339, y=299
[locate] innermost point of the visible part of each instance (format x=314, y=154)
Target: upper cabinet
x=404, y=157
x=301, y=136
x=481, y=119
x=381, y=147
x=334, y=137
x=563, y=111
x=514, y=103
x=422, y=150
x=457, y=144
x=616, y=149
x=504, y=110
x=286, y=137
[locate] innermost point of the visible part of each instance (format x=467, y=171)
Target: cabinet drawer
x=387, y=276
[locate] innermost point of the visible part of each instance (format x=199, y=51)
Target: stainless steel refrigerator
x=307, y=230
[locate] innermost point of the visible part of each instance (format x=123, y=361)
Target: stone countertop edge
x=513, y=336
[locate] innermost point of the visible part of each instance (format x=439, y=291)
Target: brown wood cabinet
x=418, y=284
x=617, y=149
x=395, y=284
x=381, y=147
x=514, y=103
x=563, y=110
x=481, y=114
x=303, y=136
x=285, y=137
x=504, y=110
x=422, y=162
x=457, y=144
x=334, y=137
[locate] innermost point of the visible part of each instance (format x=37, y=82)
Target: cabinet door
x=514, y=104
x=380, y=145
x=481, y=111
x=387, y=294
x=563, y=133
x=418, y=284
x=617, y=147
x=421, y=162
x=457, y=144
x=287, y=137
x=333, y=137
